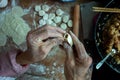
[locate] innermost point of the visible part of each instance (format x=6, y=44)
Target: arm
x=9, y=66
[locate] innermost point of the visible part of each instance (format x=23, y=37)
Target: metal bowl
x=100, y=24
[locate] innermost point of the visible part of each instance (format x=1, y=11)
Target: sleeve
x=9, y=66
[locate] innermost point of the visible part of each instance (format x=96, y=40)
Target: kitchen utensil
x=102, y=9
x=113, y=51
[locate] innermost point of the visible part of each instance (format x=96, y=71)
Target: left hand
x=40, y=42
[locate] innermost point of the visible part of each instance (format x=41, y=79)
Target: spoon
x=113, y=51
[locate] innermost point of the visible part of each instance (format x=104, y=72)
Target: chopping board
x=53, y=64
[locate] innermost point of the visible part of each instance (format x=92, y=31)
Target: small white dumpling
x=37, y=8
x=53, y=24
x=3, y=3
x=45, y=8
x=70, y=23
x=65, y=18
x=59, y=12
x=42, y=22
x=41, y=12
x=51, y=16
x=49, y=21
x=45, y=17
x=57, y=19
x=63, y=26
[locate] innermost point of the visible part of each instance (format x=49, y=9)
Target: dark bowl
x=100, y=24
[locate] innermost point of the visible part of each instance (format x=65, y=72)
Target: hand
x=40, y=42
x=77, y=62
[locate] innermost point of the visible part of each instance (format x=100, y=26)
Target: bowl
x=98, y=37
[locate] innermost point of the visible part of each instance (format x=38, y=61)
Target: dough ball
x=70, y=23
x=42, y=22
x=66, y=18
x=3, y=3
x=45, y=8
x=42, y=13
x=37, y=8
x=63, y=26
x=53, y=24
x=57, y=19
x=51, y=16
x=45, y=17
x=59, y=12
x=49, y=21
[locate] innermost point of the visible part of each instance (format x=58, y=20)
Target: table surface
x=101, y=74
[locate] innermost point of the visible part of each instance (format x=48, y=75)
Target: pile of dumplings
x=58, y=18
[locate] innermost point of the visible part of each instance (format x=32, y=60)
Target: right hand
x=78, y=61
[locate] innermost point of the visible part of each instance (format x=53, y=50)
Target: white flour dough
x=37, y=8
x=49, y=21
x=53, y=24
x=63, y=26
x=14, y=26
x=57, y=19
x=51, y=16
x=66, y=18
x=45, y=8
x=70, y=23
x=45, y=17
x=3, y=3
x=41, y=13
x=59, y=12
x=42, y=22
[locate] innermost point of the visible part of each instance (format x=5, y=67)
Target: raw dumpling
x=65, y=18
x=37, y=8
x=42, y=13
x=51, y=16
x=42, y=22
x=45, y=17
x=57, y=19
x=49, y=21
x=59, y=12
x=17, y=10
x=63, y=26
x=45, y=8
x=70, y=24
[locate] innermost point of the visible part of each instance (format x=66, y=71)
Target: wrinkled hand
x=40, y=42
x=77, y=62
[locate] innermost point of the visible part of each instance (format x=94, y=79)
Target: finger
x=68, y=49
x=37, y=39
x=58, y=29
x=81, y=52
x=50, y=43
x=69, y=56
x=46, y=27
x=47, y=32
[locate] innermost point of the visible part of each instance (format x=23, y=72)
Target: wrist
x=23, y=58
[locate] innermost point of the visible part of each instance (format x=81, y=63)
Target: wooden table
x=59, y=55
